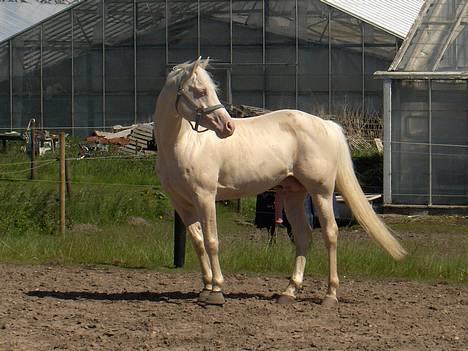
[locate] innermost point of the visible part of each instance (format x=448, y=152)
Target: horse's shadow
x=169, y=296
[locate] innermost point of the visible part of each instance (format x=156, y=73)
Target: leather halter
x=200, y=112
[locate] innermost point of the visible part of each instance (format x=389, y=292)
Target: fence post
x=62, y=183
x=179, y=241
x=67, y=178
x=33, y=149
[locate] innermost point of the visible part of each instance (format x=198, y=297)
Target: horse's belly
x=289, y=184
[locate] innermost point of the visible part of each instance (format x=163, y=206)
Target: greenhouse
x=426, y=110
x=100, y=63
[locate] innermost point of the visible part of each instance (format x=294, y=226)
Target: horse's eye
x=200, y=93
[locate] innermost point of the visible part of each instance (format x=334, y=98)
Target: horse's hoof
x=215, y=298
x=329, y=301
x=286, y=299
x=203, y=296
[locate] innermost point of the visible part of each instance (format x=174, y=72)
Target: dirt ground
x=106, y=308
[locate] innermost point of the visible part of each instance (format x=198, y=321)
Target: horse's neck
x=170, y=128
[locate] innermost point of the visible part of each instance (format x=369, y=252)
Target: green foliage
x=27, y=209
x=369, y=170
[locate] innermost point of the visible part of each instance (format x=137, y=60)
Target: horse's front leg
x=189, y=216
x=207, y=215
x=196, y=235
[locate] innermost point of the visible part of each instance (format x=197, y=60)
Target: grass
x=106, y=192
x=151, y=247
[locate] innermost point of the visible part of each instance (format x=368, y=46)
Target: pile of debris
x=136, y=139
x=243, y=111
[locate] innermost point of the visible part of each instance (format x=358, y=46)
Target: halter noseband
x=200, y=112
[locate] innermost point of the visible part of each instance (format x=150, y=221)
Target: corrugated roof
x=15, y=17
x=392, y=16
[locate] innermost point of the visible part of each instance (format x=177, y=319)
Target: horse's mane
x=180, y=71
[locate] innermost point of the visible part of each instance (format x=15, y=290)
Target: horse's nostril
x=230, y=126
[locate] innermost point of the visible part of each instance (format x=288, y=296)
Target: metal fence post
x=179, y=241
x=33, y=149
x=62, y=183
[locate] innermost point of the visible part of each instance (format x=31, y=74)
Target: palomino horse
x=243, y=157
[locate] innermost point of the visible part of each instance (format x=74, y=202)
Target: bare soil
x=107, y=308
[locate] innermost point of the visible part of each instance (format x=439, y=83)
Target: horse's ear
x=195, y=65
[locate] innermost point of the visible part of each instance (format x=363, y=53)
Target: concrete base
x=412, y=210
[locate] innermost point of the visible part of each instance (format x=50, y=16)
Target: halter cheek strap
x=200, y=112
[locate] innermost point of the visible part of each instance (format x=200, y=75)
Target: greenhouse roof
x=15, y=17
x=438, y=40
x=394, y=17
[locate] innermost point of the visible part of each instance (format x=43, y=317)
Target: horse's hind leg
x=323, y=203
x=294, y=206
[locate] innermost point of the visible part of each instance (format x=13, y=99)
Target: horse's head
x=197, y=100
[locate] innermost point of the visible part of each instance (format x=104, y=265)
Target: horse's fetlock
x=218, y=282
x=334, y=282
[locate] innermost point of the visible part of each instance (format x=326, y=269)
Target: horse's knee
x=330, y=233
x=211, y=245
x=199, y=246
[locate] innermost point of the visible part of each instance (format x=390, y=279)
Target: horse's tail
x=349, y=187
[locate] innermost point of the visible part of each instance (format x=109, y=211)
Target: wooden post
x=179, y=241
x=33, y=149
x=62, y=183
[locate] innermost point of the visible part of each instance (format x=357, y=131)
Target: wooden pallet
x=141, y=139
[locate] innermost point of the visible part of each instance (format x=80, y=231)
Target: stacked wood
x=141, y=139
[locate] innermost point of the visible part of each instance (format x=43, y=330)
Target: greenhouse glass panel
x=313, y=78
x=88, y=66
x=450, y=142
x=379, y=50
x=182, y=21
x=151, y=56
x=248, y=84
x=26, y=71
x=439, y=43
x=280, y=31
x=455, y=58
x=346, y=62
x=313, y=58
x=280, y=87
x=119, y=63
x=247, y=31
x=5, y=85
x=57, y=67
x=410, y=142
x=215, y=30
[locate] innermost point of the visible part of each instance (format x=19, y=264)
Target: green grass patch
x=151, y=247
